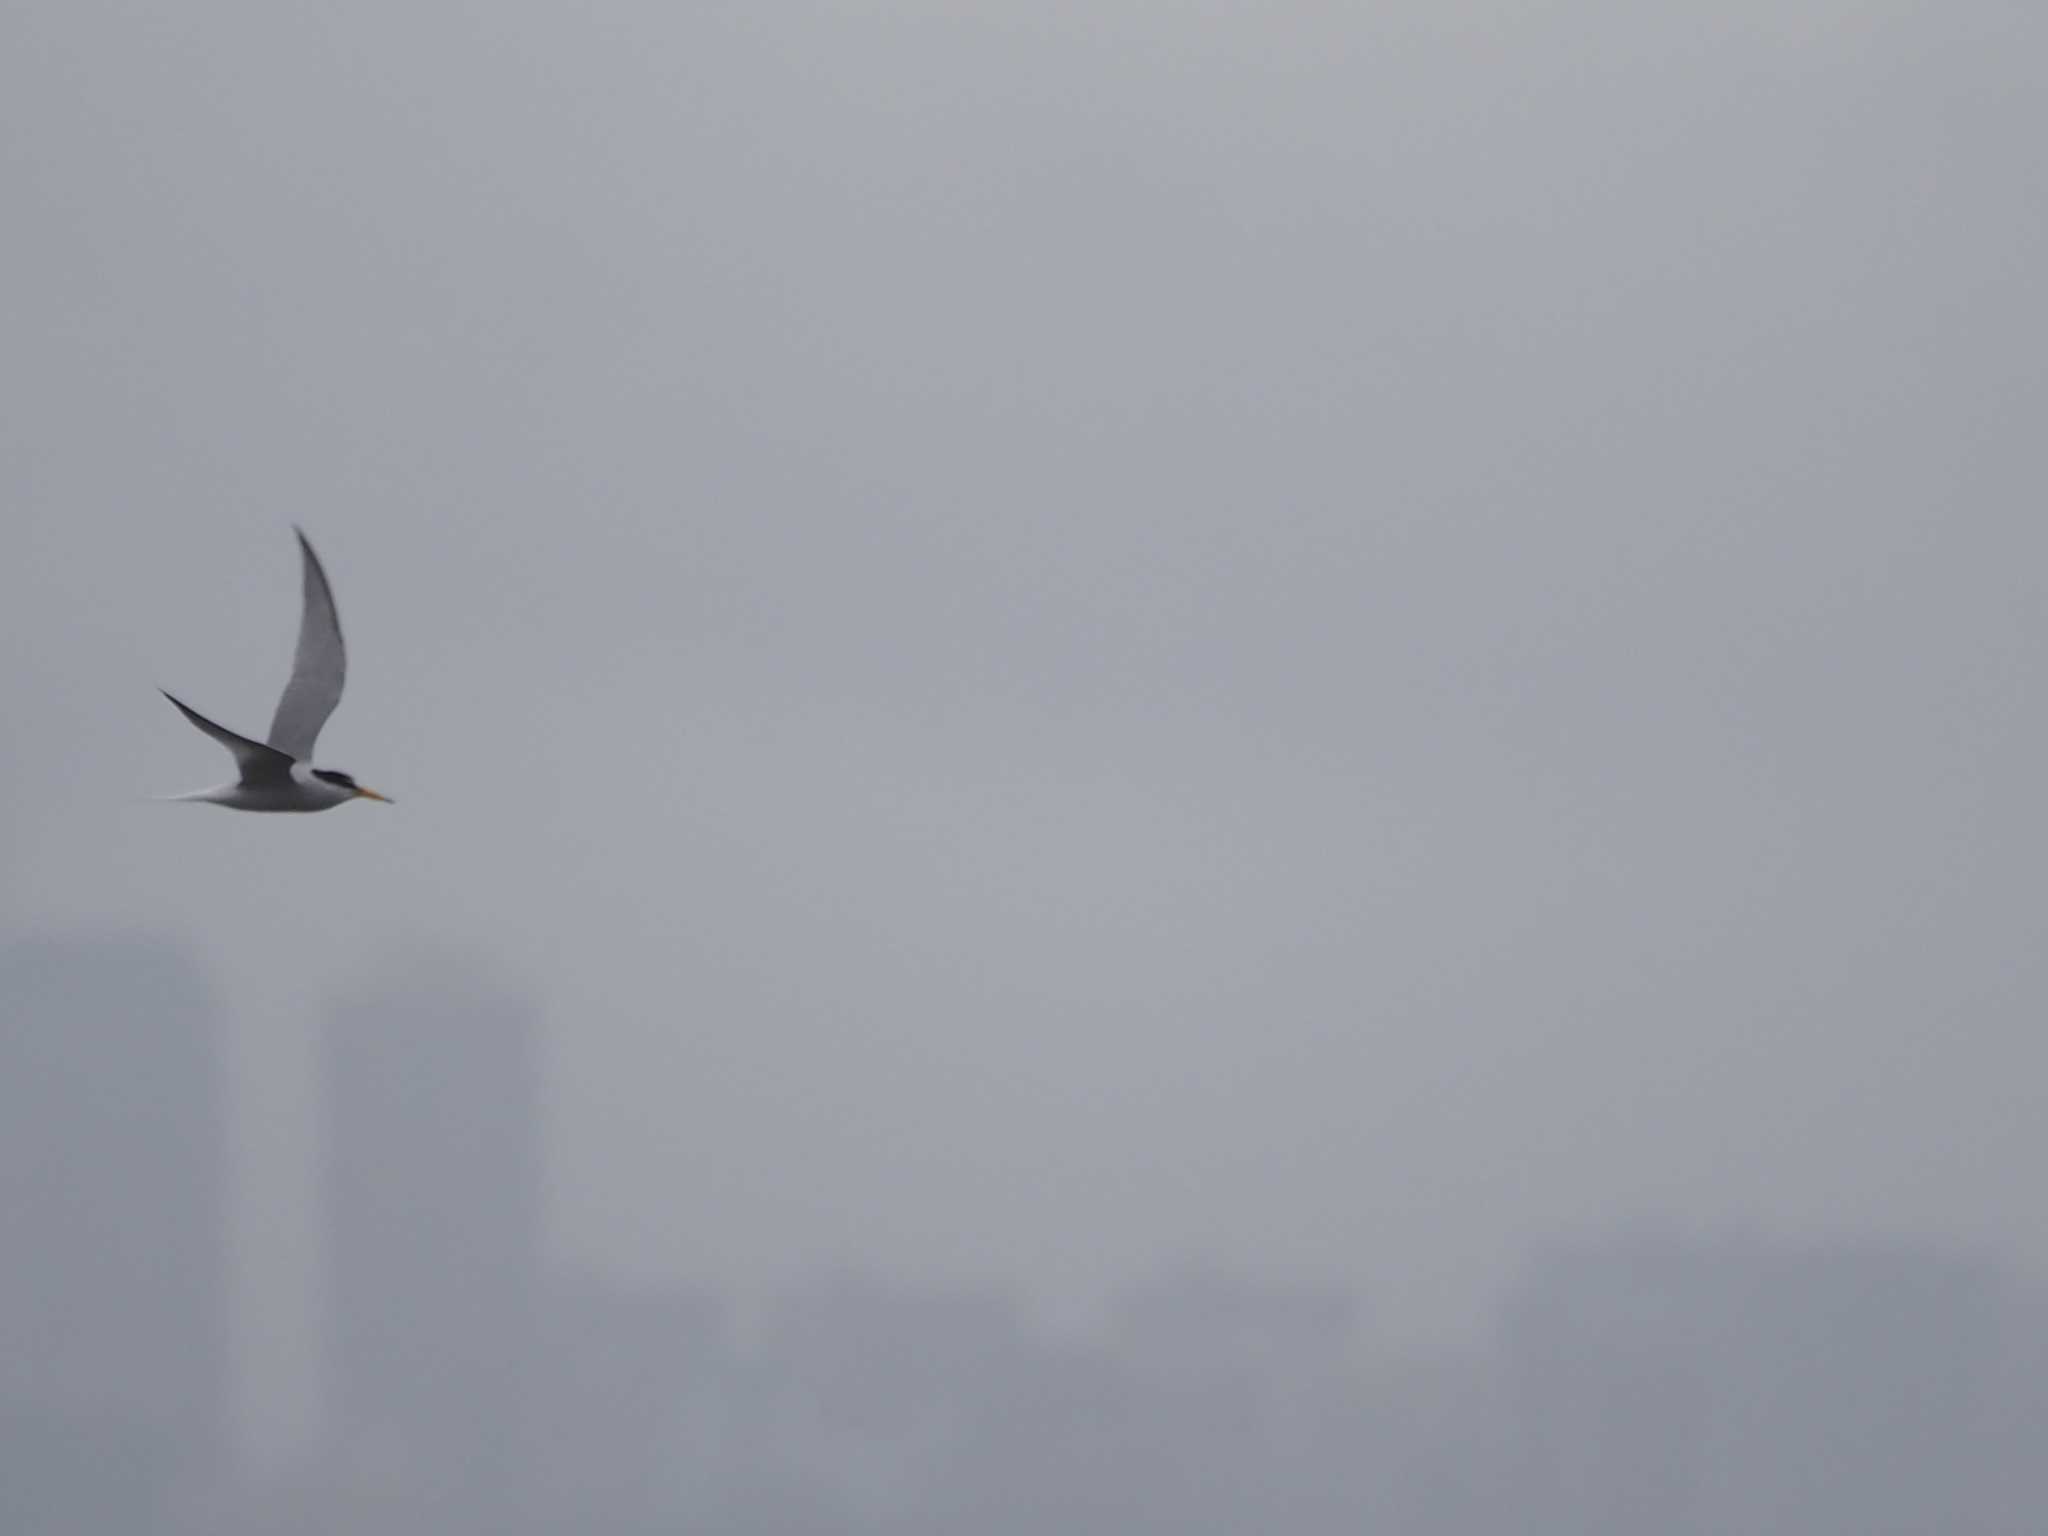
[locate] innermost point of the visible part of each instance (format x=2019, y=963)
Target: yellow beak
x=371, y=794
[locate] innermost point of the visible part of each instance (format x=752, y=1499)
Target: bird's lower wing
x=256, y=761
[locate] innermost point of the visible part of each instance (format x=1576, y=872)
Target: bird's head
x=347, y=781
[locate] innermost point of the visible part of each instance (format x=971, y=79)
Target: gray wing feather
x=258, y=763
x=317, y=671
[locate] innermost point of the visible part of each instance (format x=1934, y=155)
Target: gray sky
x=1342, y=636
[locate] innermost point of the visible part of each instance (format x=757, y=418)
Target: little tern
x=277, y=775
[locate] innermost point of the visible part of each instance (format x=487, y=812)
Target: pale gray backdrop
x=1339, y=636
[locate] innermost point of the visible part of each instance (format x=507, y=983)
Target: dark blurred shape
x=114, y=1366
x=433, y=1195
x=1859, y=1388
x=626, y=1401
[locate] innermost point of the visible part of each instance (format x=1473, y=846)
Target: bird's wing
x=317, y=672
x=258, y=763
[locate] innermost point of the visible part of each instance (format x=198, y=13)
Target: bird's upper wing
x=258, y=763
x=317, y=672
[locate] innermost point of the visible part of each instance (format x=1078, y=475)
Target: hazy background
x=1055, y=637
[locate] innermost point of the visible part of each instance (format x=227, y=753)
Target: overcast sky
x=1056, y=635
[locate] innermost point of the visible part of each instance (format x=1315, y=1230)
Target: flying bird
x=278, y=775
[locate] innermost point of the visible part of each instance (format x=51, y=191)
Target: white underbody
x=300, y=792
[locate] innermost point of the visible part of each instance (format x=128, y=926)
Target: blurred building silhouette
x=1214, y=1323
x=863, y=1392
x=114, y=1364
x=433, y=1202
x=627, y=1407
x=1632, y=1386
x=1708, y=1388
